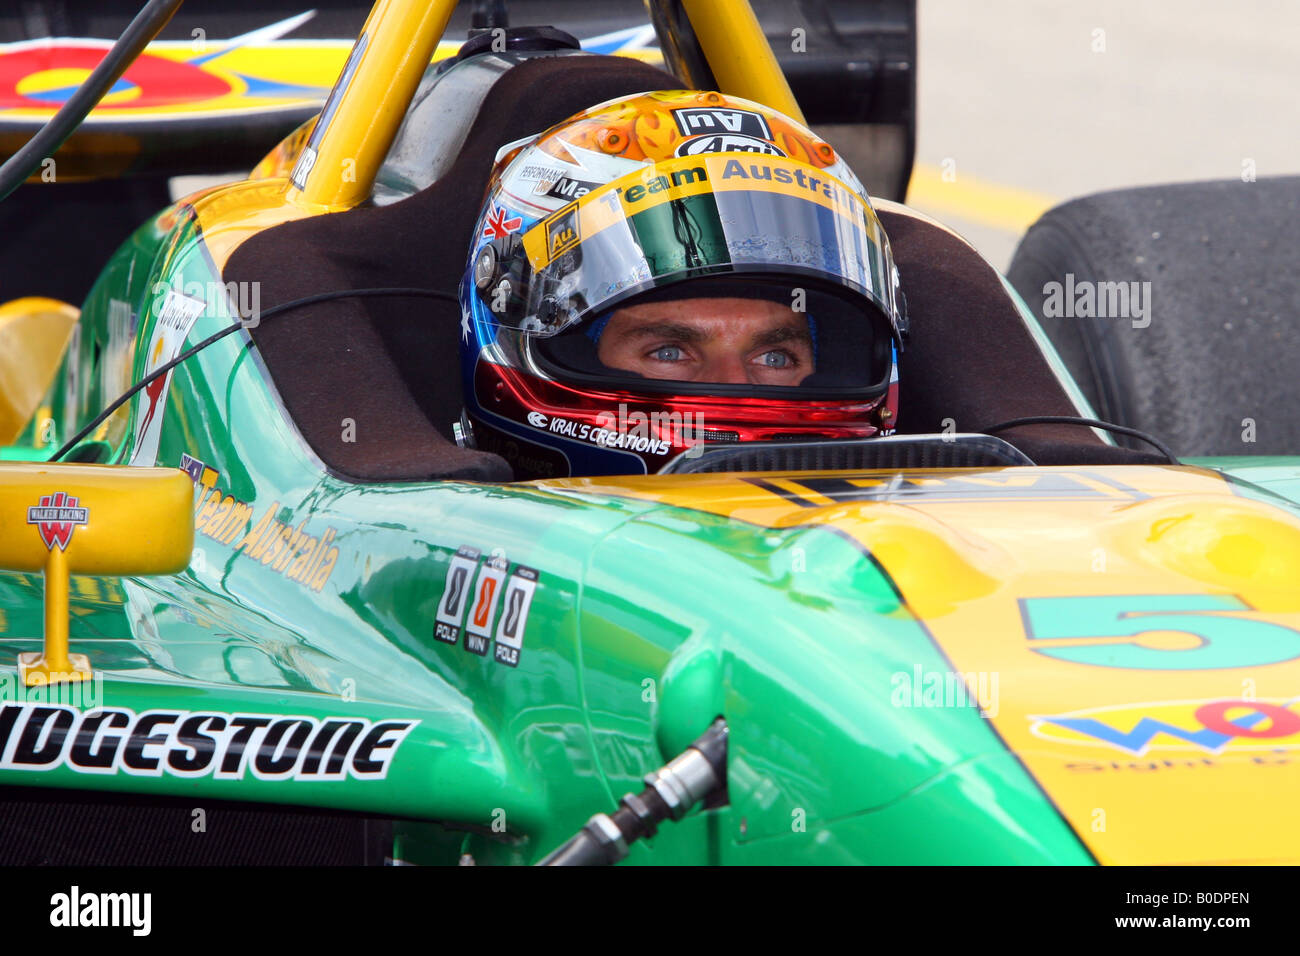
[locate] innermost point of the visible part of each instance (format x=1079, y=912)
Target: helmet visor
x=805, y=238
x=698, y=216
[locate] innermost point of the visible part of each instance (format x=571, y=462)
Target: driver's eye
x=775, y=360
x=667, y=353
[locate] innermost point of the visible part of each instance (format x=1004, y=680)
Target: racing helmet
x=670, y=270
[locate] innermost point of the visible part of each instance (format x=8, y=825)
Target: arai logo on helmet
x=537, y=419
x=726, y=144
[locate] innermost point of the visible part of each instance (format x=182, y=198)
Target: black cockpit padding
x=970, y=357
x=392, y=365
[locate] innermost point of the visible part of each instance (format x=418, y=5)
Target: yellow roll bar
x=369, y=102
x=739, y=55
x=401, y=36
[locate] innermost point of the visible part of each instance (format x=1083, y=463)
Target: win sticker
x=483, y=609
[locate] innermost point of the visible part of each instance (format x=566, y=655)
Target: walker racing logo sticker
x=56, y=517
x=182, y=743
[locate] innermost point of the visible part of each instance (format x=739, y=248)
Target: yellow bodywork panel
x=33, y=334
x=110, y=519
x=1138, y=627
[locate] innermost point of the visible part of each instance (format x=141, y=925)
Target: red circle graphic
x=161, y=82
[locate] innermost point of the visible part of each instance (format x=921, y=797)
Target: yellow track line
x=1002, y=207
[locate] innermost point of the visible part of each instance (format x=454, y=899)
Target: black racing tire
x=1214, y=361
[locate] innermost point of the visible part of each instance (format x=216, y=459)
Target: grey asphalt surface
x=1027, y=94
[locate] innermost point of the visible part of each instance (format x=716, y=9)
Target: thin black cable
x=217, y=336
x=1090, y=423
x=687, y=232
x=148, y=23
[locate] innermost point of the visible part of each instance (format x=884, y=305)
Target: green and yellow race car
x=549, y=453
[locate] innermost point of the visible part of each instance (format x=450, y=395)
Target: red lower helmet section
x=658, y=427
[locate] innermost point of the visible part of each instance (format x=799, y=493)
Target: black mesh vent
x=48, y=827
x=903, y=451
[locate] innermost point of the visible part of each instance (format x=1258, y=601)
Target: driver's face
x=721, y=341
